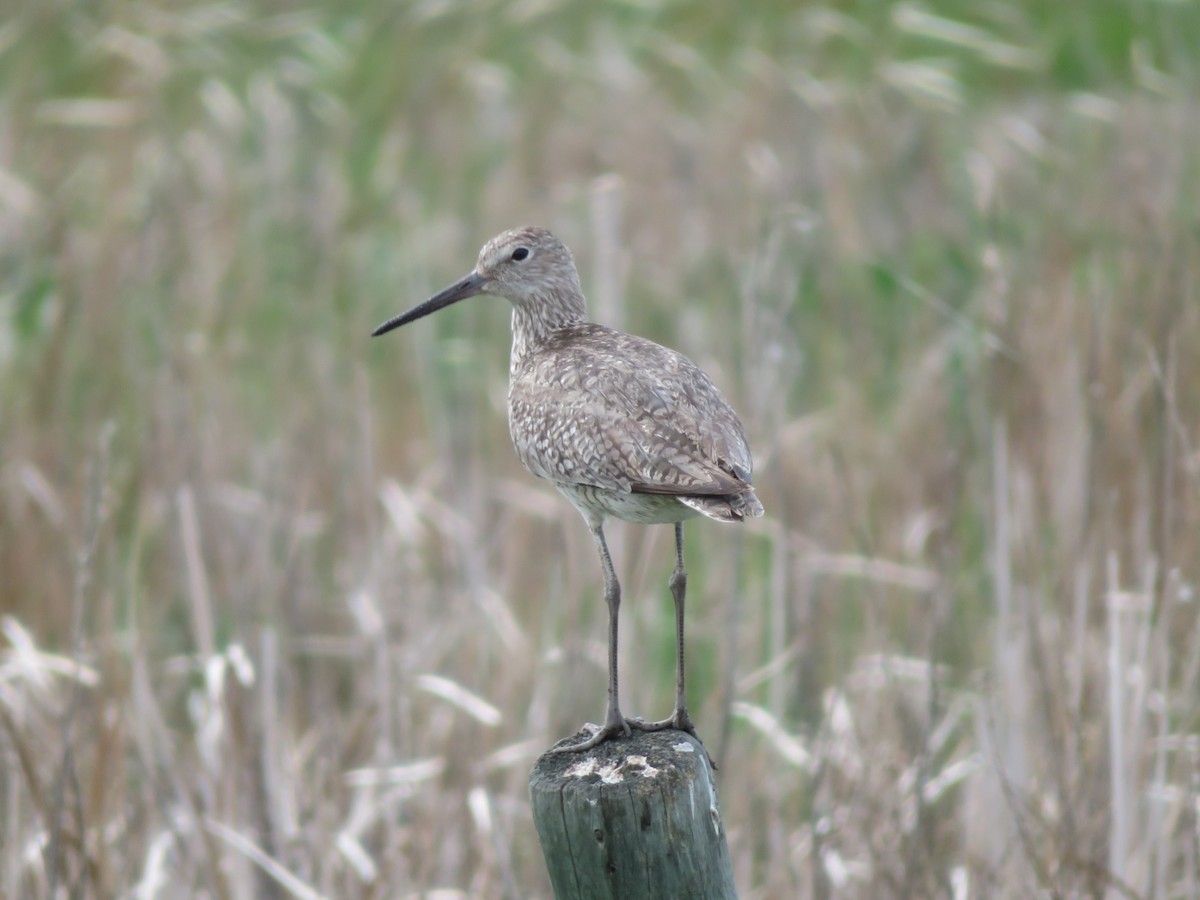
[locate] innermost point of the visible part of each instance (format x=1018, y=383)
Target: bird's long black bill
x=460, y=290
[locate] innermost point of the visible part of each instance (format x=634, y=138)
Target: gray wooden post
x=632, y=819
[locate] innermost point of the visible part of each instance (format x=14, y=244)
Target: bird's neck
x=534, y=320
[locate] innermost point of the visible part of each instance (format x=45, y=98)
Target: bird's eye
x=520, y=253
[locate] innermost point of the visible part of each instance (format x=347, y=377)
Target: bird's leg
x=614, y=722
x=679, y=719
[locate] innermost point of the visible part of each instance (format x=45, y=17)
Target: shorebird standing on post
x=621, y=425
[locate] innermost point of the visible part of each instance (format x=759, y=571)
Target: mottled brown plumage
x=621, y=425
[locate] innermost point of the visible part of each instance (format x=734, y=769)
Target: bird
x=622, y=426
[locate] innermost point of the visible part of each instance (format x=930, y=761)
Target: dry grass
x=282, y=616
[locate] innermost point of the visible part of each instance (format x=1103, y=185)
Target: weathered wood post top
x=633, y=818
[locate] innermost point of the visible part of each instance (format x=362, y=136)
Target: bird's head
x=528, y=265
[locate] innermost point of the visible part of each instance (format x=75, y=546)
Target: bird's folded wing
x=630, y=432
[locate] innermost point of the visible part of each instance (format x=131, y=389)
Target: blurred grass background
x=282, y=615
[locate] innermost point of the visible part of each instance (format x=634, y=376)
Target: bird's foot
x=614, y=726
x=679, y=720
x=618, y=726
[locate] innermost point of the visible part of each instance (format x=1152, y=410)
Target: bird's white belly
x=596, y=504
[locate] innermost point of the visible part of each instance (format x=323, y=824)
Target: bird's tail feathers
x=727, y=507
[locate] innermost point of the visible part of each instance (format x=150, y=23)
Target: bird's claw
x=679, y=720
x=621, y=727
x=598, y=734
